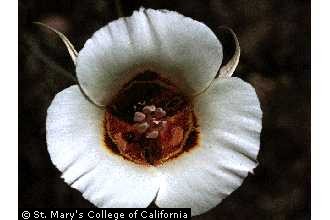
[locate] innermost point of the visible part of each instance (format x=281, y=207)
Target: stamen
x=139, y=116
x=156, y=122
x=159, y=113
x=142, y=102
x=148, y=109
x=143, y=127
x=152, y=134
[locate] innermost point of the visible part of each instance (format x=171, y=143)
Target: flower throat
x=150, y=121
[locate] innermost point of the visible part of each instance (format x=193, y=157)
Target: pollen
x=139, y=116
x=149, y=109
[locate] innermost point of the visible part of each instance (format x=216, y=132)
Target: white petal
x=180, y=48
x=229, y=116
x=74, y=139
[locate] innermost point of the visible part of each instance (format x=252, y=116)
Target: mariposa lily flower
x=154, y=117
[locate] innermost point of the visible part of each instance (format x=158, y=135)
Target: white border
x=320, y=109
x=9, y=110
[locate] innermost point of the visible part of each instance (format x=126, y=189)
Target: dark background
x=275, y=46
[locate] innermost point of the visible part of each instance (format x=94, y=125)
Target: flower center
x=150, y=121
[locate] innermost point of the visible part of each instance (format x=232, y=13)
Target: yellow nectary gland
x=149, y=121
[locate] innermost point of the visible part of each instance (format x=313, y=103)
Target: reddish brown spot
x=177, y=136
x=174, y=136
x=108, y=141
x=192, y=140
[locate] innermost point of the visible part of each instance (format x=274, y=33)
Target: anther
x=143, y=127
x=149, y=108
x=156, y=122
x=160, y=113
x=139, y=116
x=152, y=135
x=142, y=102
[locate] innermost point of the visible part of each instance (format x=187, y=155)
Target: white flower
x=186, y=55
